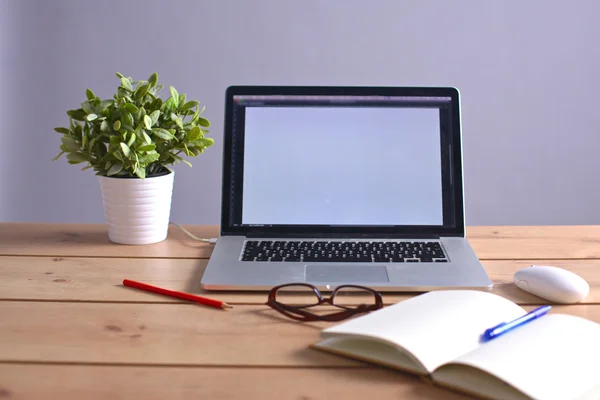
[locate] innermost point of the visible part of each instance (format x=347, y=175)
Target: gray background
x=301, y=166
x=527, y=71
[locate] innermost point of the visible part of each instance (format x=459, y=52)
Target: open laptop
x=343, y=185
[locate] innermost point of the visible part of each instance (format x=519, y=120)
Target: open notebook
x=438, y=335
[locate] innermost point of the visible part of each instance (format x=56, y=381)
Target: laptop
x=343, y=185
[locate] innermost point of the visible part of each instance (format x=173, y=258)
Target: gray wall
x=527, y=71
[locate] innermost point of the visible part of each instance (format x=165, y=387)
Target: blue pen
x=504, y=327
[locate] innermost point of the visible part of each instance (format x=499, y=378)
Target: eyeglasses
x=281, y=299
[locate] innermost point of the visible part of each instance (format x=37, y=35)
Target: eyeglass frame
x=305, y=316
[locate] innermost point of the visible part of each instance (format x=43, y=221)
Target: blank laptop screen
x=340, y=161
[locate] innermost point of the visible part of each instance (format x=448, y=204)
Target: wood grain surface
x=70, y=330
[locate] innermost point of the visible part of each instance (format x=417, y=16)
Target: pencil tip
x=225, y=306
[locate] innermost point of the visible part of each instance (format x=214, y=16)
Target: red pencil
x=179, y=295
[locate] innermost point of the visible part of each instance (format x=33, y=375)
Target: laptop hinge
x=342, y=235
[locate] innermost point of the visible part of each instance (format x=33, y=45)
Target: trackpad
x=346, y=273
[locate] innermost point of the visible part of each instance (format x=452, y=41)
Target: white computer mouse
x=552, y=283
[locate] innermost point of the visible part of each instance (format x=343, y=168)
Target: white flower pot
x=137, y=210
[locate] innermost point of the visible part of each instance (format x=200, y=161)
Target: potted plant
x=130, y=141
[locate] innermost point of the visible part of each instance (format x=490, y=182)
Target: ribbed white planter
x=137, y=210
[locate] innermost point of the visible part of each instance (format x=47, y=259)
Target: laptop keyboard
x=343, y=251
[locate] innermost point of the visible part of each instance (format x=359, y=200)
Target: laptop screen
x=339, y=160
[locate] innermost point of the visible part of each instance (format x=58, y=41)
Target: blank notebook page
x=553, y=357
x=438, y=326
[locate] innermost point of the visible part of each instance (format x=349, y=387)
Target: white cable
x=204, y=240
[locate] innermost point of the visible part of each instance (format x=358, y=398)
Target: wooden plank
x=535, y=242
x=68, y=382
x=169, y=334
x=99, y=279
x=160, y=334
x=91, y=240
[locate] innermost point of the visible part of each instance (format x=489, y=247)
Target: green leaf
x=182, y=98
x=104, y=127
x=89, y=94
x=126, y=83
x=119, y=75
x=147, y=147
x=104, y=104
x=127, y=119
x=187, y=151
x=156, y=104
x=100, y=149
x=91, y=117
x=153, y=79
x=126, y=149
x=175, y=118
x=162, y=133
x=148, y=121
x=86, y=167
x=139, y=116
x=156, y=89
x=117, y=125
x=190, y=104
x=62, y=130
x=123, y=93
x=141, y=91
x=154, y=117
x=132, y=108
x=70, y=144
x=140, y=172
x=56, y=157
x=76, y=158
x=167, y=106
x=78, y=131
x=91, y=146
x=204, y=142
x=187, y=162
x=146, y=137
x=139, y=127
x=127, y=128
x=194, y=134
x=83, y=141
x=149, y=158
x=88, y=108
x=77, y=115
x=203, y=122
x=174, y=96
x=115, y=169
x=131, y=140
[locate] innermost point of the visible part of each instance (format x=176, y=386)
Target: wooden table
x=70, y=330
